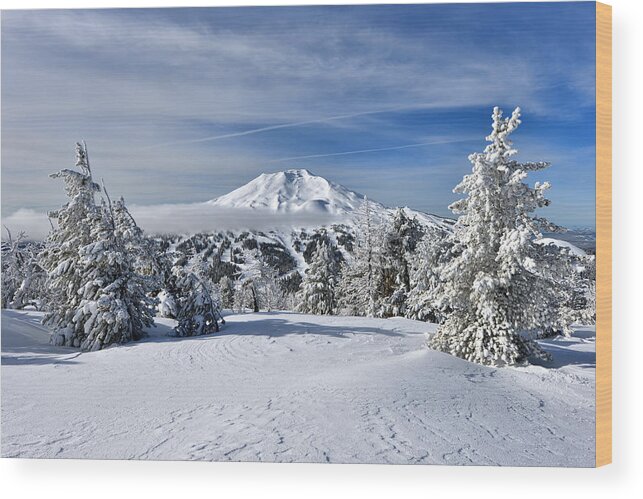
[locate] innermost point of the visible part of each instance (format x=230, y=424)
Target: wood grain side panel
x=603, y=234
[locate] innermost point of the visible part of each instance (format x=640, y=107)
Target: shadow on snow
x=272, y=327
x=30, y=345
x=29, y=342
x=563, y=356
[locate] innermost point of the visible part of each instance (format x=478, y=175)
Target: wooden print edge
x=603, y=234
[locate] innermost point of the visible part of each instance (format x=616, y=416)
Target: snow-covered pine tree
x=576, y=278
x=166, y=304
x=555, y=269
x=587, y=274
x=146, y=268
x=226, y=288
x=201, y=267
x=140, y=248
x=199, y=312
x=12, y=263
x=167, y=293
x=32, y=291
x=61, y=255
x=258, y=284
x=493, y=286
x=399, y=242
x=97, y=298
x=588, y=314
x=271, y=293
x=356, y=289
x=22, y=276
x=423, y=301
x=290, y=285
x=317, y=293
x=245, y=295
x=114, y=306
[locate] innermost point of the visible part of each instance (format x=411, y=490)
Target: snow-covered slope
x=573, y=249
x=294, y=388
x=292, y=191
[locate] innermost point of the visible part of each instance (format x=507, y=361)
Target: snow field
x=284, y=387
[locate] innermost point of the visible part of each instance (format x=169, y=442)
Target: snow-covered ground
x=290, y=387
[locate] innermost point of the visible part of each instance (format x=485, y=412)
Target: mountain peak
x=291, y=191
x=300, y=172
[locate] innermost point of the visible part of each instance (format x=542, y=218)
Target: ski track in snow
x=285, y=387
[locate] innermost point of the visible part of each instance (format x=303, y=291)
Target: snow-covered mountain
x=293, y=210
x=292, y=191
x=298, y=191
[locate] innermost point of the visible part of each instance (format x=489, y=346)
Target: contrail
x=362, y=151
x=280, y=126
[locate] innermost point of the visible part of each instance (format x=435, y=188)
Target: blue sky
x=183, y=105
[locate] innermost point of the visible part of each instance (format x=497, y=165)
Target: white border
x=182, y=480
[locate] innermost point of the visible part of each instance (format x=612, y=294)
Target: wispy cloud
x=377, y=149
x=274, y=127
x=187, y=218
x=186, y=104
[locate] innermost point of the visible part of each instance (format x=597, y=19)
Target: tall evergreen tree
x=399, y=243
x=226, y=288
x=586, y=287
x=97, y=297
x=114, y=306
x=423, y=301
x=13, y=260
x=198, y=311
x=356, y=289
x=573, y=279
x=22, y=276
x=61, y=257
x=140, y=248
x=317, y=293
x=258, y=285
x=493, y=286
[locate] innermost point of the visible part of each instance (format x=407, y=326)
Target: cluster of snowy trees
x=100, y=273
x=377, y=280
x=22, y=276
x=488, y=283
x=257, y=287
x=247, y=282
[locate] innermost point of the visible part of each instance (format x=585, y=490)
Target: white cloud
x=35, y=224
x=182, y=219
